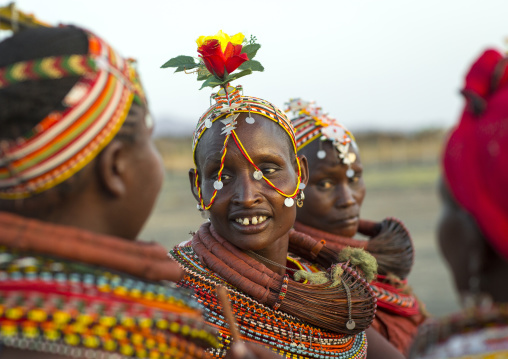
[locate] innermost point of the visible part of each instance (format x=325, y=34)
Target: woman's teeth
x=254, y=220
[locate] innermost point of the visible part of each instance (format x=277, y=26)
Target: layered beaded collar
x=51, y=302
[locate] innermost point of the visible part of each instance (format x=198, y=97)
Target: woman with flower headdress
x=78, y=178
x=474, y=220
x=331, y=214
x=288, y=294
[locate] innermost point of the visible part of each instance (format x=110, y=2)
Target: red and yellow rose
x=222, y=53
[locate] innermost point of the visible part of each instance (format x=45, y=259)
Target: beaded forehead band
x=64, y=142
x=311, y=123
x=220, y=56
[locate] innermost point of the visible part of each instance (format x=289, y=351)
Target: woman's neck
x=276, y=252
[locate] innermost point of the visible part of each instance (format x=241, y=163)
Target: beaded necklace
x=63, y=307
x=285, y=334
x=74, y=308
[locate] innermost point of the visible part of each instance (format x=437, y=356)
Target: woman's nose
x=247, y=190
x=344, y=196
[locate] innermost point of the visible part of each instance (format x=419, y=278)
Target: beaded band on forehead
x=311, y=124
x=64, y=142
x=227, y=108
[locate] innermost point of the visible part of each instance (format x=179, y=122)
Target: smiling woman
x=288, y=294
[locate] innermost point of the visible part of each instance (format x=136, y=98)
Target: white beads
x=208, y=123
x=289, y=202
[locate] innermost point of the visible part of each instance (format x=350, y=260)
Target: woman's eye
x=325, y=184
x=268, y=171
x=356, y=178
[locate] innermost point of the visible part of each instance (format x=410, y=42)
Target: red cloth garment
x=474, y=159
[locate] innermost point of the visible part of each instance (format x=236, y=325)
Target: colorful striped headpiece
x=233, y=102
x=229, y=104
x=64, y=142
x=311, y=123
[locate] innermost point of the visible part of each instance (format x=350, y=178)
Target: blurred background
x=389, y=70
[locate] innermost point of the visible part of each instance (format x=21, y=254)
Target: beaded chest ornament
x=220, y=55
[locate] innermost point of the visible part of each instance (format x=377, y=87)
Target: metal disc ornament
x=321, y=154
x=302, y=186
x=218, y=185
x=289, y=202
x=258, y=175
x=350, y=324
x=250, y=120
x=205, y=214
x=208, y=123
x=350, y=173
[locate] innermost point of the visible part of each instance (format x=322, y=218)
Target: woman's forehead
x=264, y=135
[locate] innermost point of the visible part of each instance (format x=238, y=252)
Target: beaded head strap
x=311, y=123
x=64, y=142
x=220, y=56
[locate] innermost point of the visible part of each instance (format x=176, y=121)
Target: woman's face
x=332, y=199
x=146, y=172
x=243, y=200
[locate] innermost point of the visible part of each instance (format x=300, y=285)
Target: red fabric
x=400, y=331
x=217, y=61
x=475, y=157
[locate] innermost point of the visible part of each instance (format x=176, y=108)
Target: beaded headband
x=220, y=56
x=311, y=123
x=64, y=142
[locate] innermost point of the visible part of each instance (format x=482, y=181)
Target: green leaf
x=212, y=81
x=203, y=74
x=251, y=50
x=253, y=65
x=237, y=75
x=181, y=62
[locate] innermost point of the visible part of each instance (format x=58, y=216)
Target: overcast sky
x=383, y=64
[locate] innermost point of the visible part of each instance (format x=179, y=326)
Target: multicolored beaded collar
x=312, y=123
x=220, y=56
x=61, y=307
x=64, y=142
x=285, y=334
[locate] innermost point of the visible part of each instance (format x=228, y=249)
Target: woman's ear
x=304, y=168
x=112, y=166
x=192, y=180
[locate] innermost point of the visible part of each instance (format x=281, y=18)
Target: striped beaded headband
x=230, y=104
x=311, y=123
x=64, y=142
